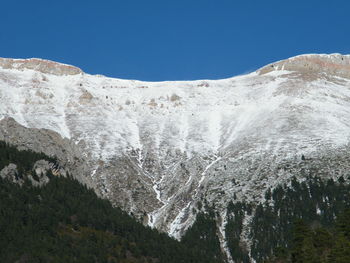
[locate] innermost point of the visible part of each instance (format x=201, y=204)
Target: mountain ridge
x=40, y=65
x=43, y=64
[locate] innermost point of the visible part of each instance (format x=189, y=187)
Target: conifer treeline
x=273, y=224
x=311, y=244
x=64, y=221
x=23, y=159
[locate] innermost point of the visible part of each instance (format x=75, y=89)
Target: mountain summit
x=333, y=64
x=40, y=65
x=158, y=149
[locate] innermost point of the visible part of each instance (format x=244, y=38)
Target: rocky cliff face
x=158, y=148
x=50, y=143
x=38, y=177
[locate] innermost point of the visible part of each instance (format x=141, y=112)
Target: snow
x=177, y=223
x=127, y=114
x=318, y=211
x=155, y=188
x=223, y=241
x=93, y=173
x=245, y=231
x=207, y=168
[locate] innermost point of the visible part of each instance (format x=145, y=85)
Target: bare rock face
x=38, y=176
x=41, y=169
x=10, y=172
x=50, y=143
x=40, y=65
x=332, y=65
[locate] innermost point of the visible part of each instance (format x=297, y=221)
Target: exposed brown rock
x=333, y=64
x=41, y=65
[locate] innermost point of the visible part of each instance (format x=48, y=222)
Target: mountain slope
x=158, y=148
x=63, y=221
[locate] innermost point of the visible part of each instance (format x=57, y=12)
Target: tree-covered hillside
x=23, y=159
x=272, y=224
x=64, y=221
x=317, y=244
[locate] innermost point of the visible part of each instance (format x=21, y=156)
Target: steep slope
x=47, y=216
x=157, y=148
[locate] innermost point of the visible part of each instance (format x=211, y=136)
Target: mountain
x=163, y=151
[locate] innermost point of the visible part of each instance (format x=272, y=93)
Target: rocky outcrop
x=331, y=65
x=40, y=169
x=40, y=65
x=10, y=173
x=38, y=175
x=50, y=143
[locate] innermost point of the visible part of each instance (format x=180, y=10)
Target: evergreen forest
x=64, y=221
x=298, y=222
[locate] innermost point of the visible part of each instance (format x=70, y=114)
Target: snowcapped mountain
x=158, y=148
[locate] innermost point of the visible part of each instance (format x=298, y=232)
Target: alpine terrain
x=171, y=152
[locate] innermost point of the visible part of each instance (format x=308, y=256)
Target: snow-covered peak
x=40, y=65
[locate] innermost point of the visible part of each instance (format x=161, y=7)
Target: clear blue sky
x=172, y=40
